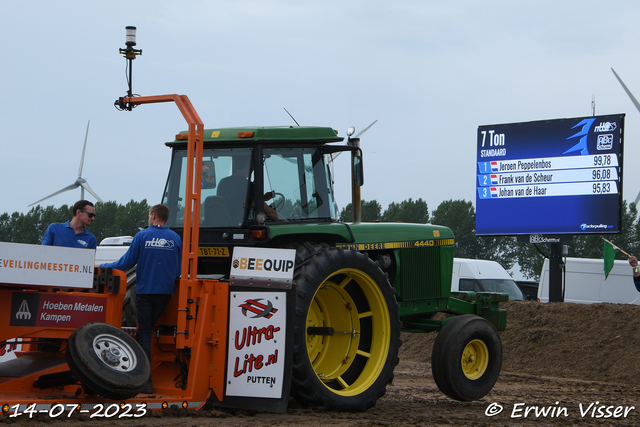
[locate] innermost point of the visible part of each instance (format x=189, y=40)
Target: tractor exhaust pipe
x=357, y=176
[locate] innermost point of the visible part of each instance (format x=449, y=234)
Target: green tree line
x=112, y=219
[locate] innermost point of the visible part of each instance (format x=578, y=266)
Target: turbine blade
x=85, y=185
x=335, y=156
x=626, y=89
x=637, y=199
x=365, y=129
x=67, y=188
x=84, y=147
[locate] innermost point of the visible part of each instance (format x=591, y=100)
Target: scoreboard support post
x=555, y=273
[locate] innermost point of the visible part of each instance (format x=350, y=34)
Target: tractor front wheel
x=466, y=358
x=347, y=332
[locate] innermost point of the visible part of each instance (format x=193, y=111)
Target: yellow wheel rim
x=475, y=359
x=349, y=361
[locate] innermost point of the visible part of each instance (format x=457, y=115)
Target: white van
x=585, y=283
x=112, y=248
x=480, y=275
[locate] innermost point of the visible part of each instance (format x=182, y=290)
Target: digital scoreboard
x=550, y=177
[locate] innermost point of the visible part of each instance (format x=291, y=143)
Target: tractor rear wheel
x=347, y=332
x=107, y=361
x=129, y=312
x=466, y=358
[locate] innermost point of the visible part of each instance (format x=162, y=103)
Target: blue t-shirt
x=62, y=234
x=158, y=252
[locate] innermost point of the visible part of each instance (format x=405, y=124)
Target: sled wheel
x=107, y=361
x=347, y=332
x=466, y=358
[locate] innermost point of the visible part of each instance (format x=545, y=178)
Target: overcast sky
x=430, y=72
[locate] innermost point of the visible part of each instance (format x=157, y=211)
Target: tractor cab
x=253, y=179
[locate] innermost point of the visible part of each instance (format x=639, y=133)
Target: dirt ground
x=564, y=364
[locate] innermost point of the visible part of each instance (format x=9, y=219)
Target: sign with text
x=263, y=263
x=550, y=177
x=55, y=310
x=39, y=265
x=257, y=338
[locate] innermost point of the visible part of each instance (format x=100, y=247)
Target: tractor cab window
x=224, y=187
x=296, y=184
x=299, y=184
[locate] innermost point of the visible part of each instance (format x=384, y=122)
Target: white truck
x=480, y=275
x=584, y=282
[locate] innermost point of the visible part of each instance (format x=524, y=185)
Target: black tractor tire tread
x=129, y=312
x=439, y=352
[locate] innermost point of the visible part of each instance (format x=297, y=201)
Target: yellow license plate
x=213, y=251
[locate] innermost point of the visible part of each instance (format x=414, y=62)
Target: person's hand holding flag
x=609, y=254
x=633, y=262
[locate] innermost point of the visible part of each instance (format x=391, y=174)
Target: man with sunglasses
x=73, y=233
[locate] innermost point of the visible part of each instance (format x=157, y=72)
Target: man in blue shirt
x=157, y=251
x=73, y=233
x=70, y=234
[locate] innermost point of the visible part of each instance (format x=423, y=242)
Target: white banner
x=263, y=263
x=257, y=332
x=38, y=265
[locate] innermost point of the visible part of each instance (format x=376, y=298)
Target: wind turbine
x=80, y=182
x=636, y=103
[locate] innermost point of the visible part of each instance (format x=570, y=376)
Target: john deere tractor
x=358, y=285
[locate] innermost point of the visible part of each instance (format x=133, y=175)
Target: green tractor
x=358, y=285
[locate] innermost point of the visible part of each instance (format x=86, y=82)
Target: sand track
x=559, y=360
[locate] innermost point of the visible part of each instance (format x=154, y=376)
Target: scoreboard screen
x=550, y=177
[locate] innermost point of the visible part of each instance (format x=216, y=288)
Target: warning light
x=258, y=234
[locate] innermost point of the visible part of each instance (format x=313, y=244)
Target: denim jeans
x=149, y=308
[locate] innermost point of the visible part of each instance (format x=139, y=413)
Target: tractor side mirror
x=358, y=171
x=208, y=174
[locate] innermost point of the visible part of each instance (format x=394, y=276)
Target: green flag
x=609, y=255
